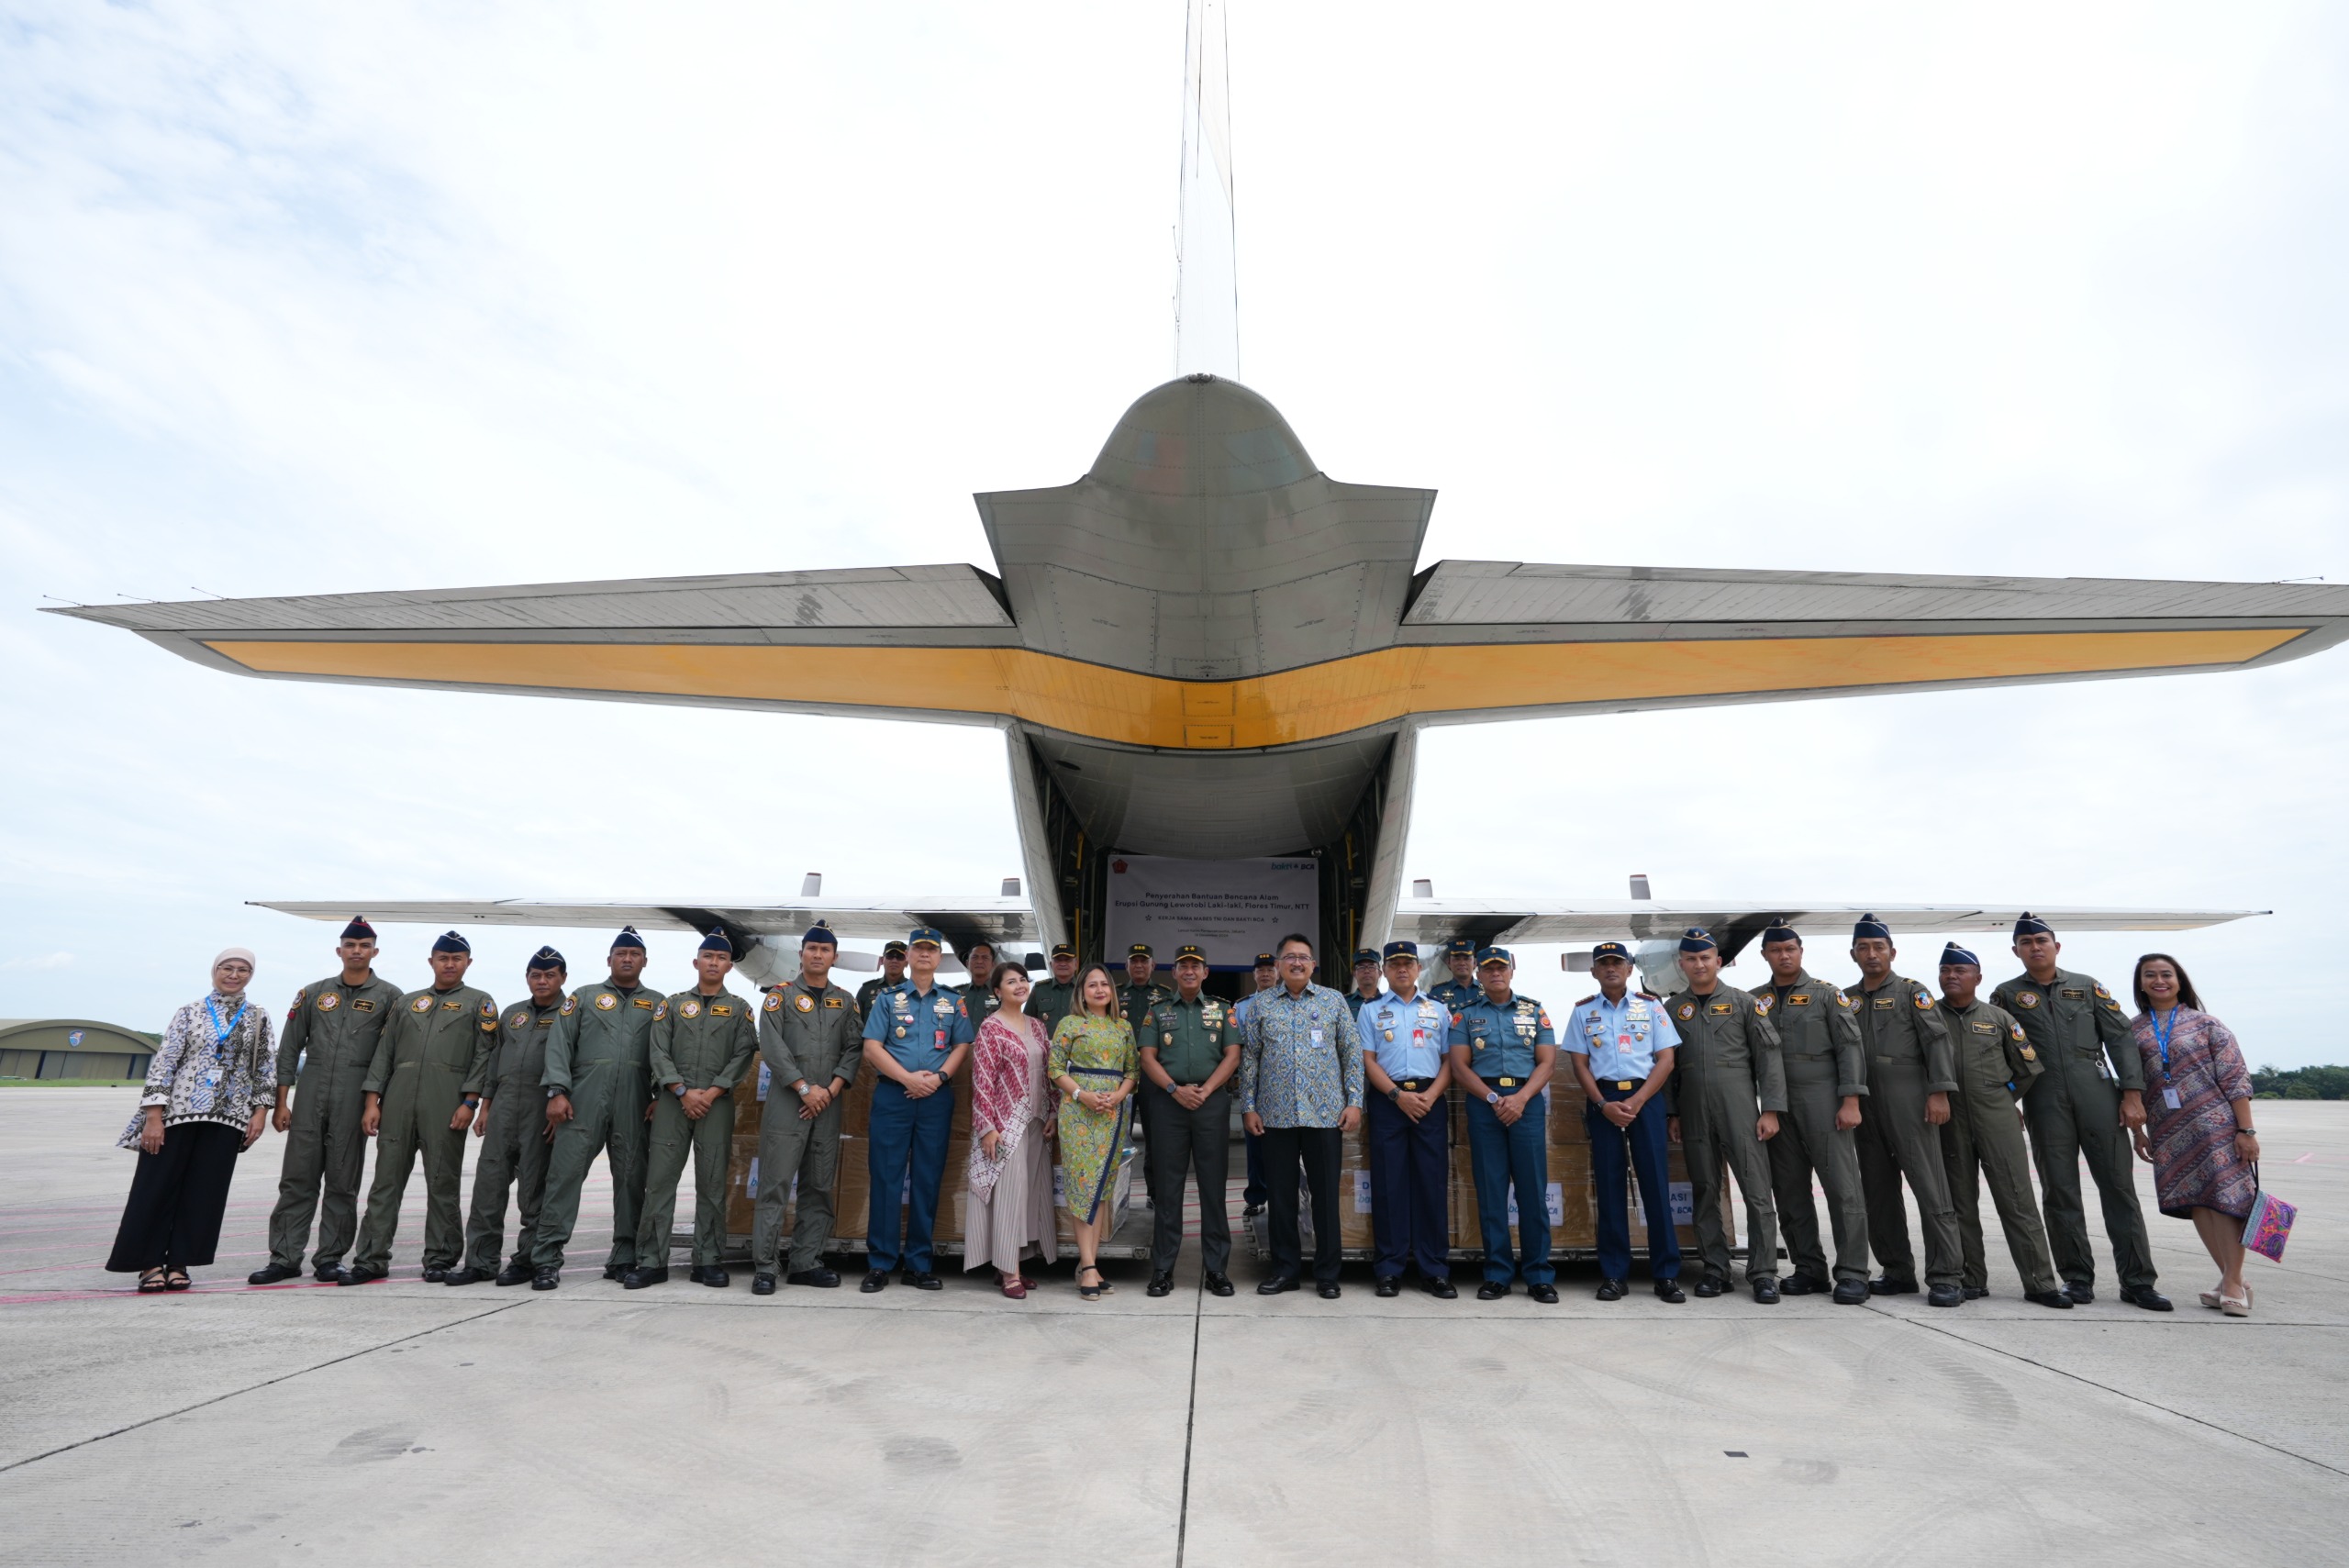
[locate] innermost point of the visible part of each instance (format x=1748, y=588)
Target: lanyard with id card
x=2162, y=1038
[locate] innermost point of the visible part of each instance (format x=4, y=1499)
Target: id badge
x=1316, y=1036
x=2169, y=1099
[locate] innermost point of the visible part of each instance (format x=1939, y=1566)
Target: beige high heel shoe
x=2237, y=1306
x=2210, y=1300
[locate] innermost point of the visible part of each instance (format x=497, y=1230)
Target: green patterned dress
x=1099, y=1055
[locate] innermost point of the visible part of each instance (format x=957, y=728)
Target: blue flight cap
x=627, y=938
x=1403, y=949
x=1953, y=953
x=1777, y=930
x=718, y=941
x=820, y=932
x=1696, y=938
x=1487, y=956
x=1465, y=946
x=449, y=941
x=1366, y=955
x=1869, y=926
x=1610, y=949
x=359, y=931
x=2031, y=925
x=921, y=934
x=546, y=958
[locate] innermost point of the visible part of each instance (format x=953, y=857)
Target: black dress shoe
x=711, y=1275
x=1765, y=1291
x=1851, y=1291
x=1886, y=1286
x=819, y=1276
x=875, y=1282
x=619, y=1271
x=1252, y=1211
x=271, y=1273
x=358, y=1275
x=464, y=1276
x=762, y=1285
x=1665, y=1290
x=326, y=1274
x=2054, y=1298
x=1217, y=1285
x=1327, y=1289
x=1801, y=1285
x=1161, y=1284
x=922, y=1279
x=1440, y=1288
x=2081, y=1294
x=1945, y=1295
x=1492, y=1290
x=636, y=1279
x=1710, y=1286
x=1975, y=1292
x=1275, y=1285
x=1390, y=1284
x=1545, y=1293
x=515, y=1272
x=436, y=1276
x=1608, y=1290
x=546, y=1279
x=2149, y=1298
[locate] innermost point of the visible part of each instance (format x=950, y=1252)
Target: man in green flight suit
x=598, y=1094
x=422, y=1090
x=812, y=1036
x=1910, y=1076
x=1996, y=1063
x=893, y=971
x=1818, y=1042
x=701, y=1044
x=512, y=1126
x=2088, y=1100
x=330, y=1034
x=1727, y=1071
x=1052, y=999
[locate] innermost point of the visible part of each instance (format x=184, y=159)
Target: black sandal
x=177, y=1279
x=1089, y=1291
x=150, y=1282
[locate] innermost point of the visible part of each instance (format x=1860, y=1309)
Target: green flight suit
x=1908, y=1059
x=815, y=1038
x=514, y=1149
x=330, y=1032
x=599, y=1053
x=1134, y=1003
x=1996, y=1063
x=698, y=1042
x=2074, y=1109
x=1725, y=1072
x=1819, y=1042
x=1051, y=1001
x=433, y=1054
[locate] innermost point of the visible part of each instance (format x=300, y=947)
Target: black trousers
x=177, y=1195
x=1317, y=1151
x=1179, y=1144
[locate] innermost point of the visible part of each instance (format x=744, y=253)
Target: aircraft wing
x=1002, y=921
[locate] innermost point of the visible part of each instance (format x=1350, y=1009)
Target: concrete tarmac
x=406, y=1422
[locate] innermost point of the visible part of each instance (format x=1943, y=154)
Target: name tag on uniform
x=1316, y=1036
x=1884, y=1002
x=1720, y=1010
x=644, y=1002
x=2073, y=994
x=364, y=1004
x=2169, y=1099
x=1800, y=998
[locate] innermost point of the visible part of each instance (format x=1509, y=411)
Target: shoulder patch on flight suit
x=2016, y=1029
x=806, y=1002
x=421, y=1005
x=689, y=1010
x=328, y=1003
x=299, y=997
x=606, y=1001
x=518, y=1019
x=2026, y=999
x=1845, y=999
x=659, y=1009
x=488, y=1009
x=567, y=1003
x=1923, y=998
x=359, y=1003
x=1762, y=1007
x=774, y=1003
x=1687, y=1011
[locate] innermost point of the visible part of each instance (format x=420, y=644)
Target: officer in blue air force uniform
x=1459, y=988
x=1503, y=1053
x=1406, y=1057
x=1622, y=1046
x=916, y=1036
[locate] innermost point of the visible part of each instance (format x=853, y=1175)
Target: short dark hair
x=1280, y=946
x=2186, y=994
x=1002, y=971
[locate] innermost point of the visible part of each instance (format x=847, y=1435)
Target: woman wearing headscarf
x=1095, y=1065
x=1011, y=1176
x=2197, y=1130
x=209, y=1087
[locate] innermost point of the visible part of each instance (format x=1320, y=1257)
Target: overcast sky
x=308, y=299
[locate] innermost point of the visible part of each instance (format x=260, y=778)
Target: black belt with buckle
x=1413, y=1085
x=1627, y=1084
x=1509, y=1082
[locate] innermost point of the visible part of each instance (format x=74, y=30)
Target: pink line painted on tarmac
x=2304, y=1158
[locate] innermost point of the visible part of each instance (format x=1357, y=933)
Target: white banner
x=1234, y=909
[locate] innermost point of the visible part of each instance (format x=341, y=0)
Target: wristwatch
x=556, y=1091
x=1492, y=1096
x=800, y=1088
x=678, y=1090
x=1394, y=1095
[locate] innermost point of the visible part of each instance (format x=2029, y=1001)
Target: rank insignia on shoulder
x=1924, y=1000
x=1687, y=1011
x=774, y=1003
x=2029, y=1054
x=2026, y=999
x=806, y=1004
x=327, y=1003
x=689, y=1010
x=1592, y=997
x=606, y=1001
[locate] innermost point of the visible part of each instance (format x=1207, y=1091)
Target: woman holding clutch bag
x=1010, y=1186
x=2197, y=1130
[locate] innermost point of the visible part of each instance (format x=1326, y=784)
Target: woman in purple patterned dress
x=2198, y=1129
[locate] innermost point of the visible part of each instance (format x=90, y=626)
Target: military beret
x=1190, y=949
x=2031, y=925
x=449, y=941
x=718, y=941
x=627, y=938
x=1953, y=953
x=1366, y=955
x=887, y=948
x=546, y=958
x=1869, y=926
x=1266, y=961
x=820, y=932
x=1777, y=930
x=1140, y=949
x=1610, y=949
x=1696, y=938
x=921, y=934
x=1063, y=950
x=1404, y=950
x=359, y=931
x=1485, y=957
x=1464, y=946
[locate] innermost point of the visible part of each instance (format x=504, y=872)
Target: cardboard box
x=1683, y=1204
x=1568, y=1200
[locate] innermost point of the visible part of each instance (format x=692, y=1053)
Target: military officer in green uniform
x=811, y=1035
x=1911, y=1077
x=512, y=1126
x=1996, y=1063
x=598, y=1096
x=701, y=1044
x=422, y=1090
x=893, y=971
x=1727, y=1090
x=1818, y=1042
x=330, y=1034
x=1461, y=990
x=1052, y=999
x=2087, y=1100
x=1190, y=1049
x=978, y=997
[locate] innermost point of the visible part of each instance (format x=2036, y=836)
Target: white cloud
x=39, y=960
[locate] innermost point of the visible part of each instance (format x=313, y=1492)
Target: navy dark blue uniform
x=922, y=1030
x=1503, y=1051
